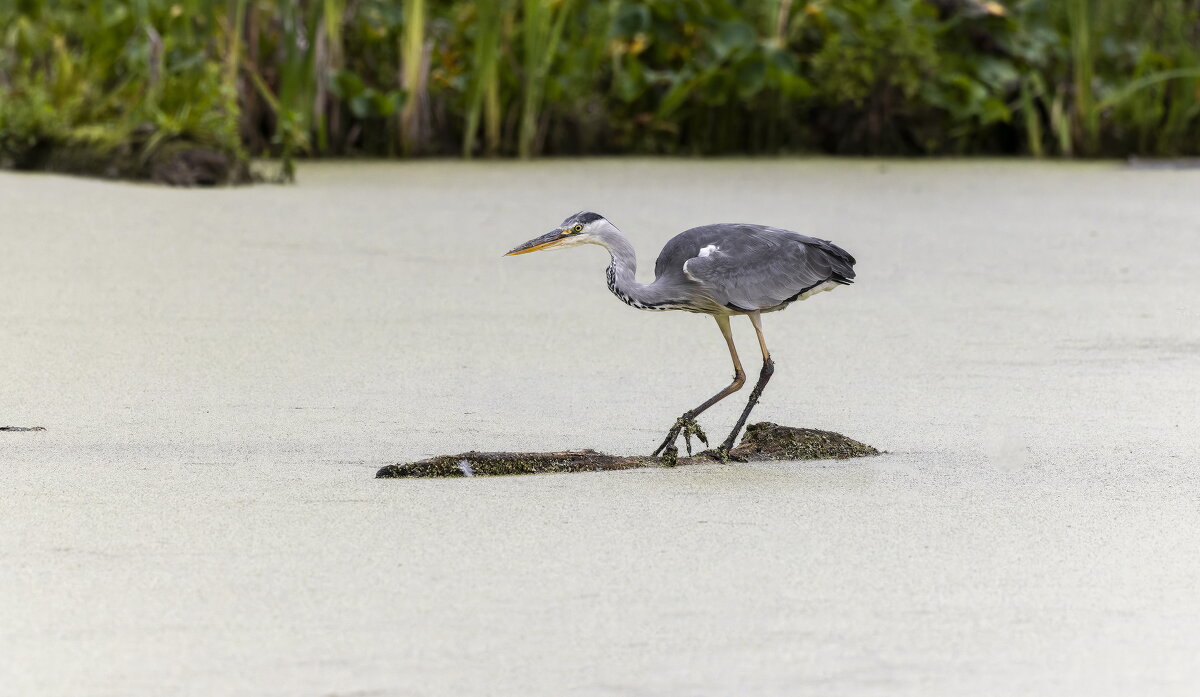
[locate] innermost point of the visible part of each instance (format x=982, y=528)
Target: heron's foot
x=687, y=427
x=691, y=428
x=722, y=454
x=670, y=456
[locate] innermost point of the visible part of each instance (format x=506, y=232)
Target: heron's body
x=720, y=270
x=731, y=269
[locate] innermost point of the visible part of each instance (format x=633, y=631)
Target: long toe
x=667, y=443
x=691, y=428
x=680, y=426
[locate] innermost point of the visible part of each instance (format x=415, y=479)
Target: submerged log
x=762, y=442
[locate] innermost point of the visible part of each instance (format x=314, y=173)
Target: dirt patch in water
x=762, y=442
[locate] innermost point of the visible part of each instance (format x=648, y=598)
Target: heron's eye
x=577, y=228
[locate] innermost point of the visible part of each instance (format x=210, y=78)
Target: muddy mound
x=762, y=442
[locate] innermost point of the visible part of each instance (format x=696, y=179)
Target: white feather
x=827, y=285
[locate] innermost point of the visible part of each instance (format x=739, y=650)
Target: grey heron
x=720, y=270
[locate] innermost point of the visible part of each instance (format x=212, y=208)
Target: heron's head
x=580, y=228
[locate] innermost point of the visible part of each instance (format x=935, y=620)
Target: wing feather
x=754, y=267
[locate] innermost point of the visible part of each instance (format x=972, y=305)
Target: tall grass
x=331, y=32
x=483, y=94
x=414, y=62
x=542, y=24
x=1082, y=24
x=523, y=77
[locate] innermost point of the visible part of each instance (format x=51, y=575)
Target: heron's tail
x=841, y=262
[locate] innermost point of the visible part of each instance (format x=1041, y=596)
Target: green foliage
x=101, y=74
x=880, y=59
x=524, y=77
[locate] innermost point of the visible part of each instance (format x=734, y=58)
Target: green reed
x=508, y=77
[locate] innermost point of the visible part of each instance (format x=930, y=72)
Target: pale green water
x=221, y=372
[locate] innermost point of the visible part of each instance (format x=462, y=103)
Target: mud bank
x=174, y=164
x=762, y=442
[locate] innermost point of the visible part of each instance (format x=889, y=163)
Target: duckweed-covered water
x=220, y=373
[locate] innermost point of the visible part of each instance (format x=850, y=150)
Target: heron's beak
x=546, y=241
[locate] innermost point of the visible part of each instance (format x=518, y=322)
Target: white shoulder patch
x=705, y=251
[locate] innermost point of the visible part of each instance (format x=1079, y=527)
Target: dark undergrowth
x=122, y=88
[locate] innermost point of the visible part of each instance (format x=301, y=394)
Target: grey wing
x=753, y=267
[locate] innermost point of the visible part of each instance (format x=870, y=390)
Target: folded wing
x=754, y=267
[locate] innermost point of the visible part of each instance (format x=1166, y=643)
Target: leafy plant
x=292, y=78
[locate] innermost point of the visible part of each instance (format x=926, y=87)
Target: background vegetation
x=529, y=77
